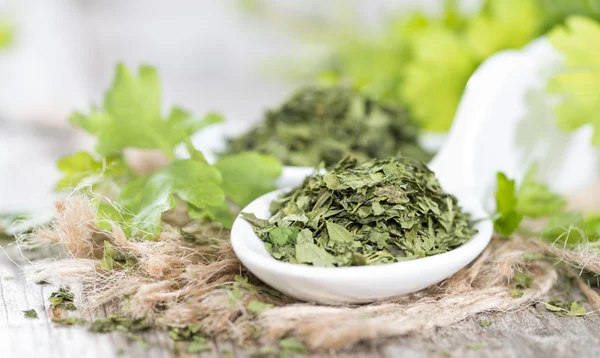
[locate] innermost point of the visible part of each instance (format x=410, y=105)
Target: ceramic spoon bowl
x=487, y=136
x=361, y=284
x=355, y=284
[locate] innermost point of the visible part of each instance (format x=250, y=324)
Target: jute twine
x=178, y=281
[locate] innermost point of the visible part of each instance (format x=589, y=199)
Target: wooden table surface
x=530, y=332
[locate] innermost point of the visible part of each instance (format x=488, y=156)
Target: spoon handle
x=453, y=164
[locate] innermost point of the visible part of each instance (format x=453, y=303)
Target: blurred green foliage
x=424, y=62
x=6, y=34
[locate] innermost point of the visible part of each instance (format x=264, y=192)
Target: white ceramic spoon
x=482, y=141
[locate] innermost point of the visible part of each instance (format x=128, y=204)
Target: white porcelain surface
x=358, y=284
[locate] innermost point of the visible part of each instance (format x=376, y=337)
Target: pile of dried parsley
x=324, y=124
x=377, y=212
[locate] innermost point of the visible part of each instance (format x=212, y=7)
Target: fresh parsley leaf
x=503, y=24
x=427, y=71
x=535, y=199
x=556, y=11
x=148, y=197
x=131, y=116
x=579, y=83
x=422, y=59
x=30, y=313
x=220, y=213
x=572, y=228
x=83, y=168
x=6, y=34
x=248, y=175
x=191, y=124
x=507, y=219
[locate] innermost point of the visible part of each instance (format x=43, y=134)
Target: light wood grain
x=530, y=332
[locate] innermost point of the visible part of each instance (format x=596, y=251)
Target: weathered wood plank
x=530, y=332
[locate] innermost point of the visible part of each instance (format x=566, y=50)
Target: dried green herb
x=187, y=333
x=198, y=345
x=120, y=324
x=30, y=313
x=485, y=323
x=476, y=347
x=257, y=307
x=69, y=321
x=522, y=280
x=63, y=298
x=323, y=124
x=566, y=309
x=193, y=335
x=376, y=212
x=292, y=346
x=516, y=293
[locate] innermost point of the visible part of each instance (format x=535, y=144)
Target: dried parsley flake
x=323, y=124
x=377, y=212
x=63, y=298
x=30, y=313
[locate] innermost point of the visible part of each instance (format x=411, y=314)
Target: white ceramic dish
x=358, y=284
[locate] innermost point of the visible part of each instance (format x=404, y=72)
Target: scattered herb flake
x=185, y=333
x=568, y=309
x=257, y=307
x=198, y=345
x=485, y=323
x=516, y=293
x=476, y=347
x=522, y=280
x=63, y=298
x=69, y=321
x=30, y=313
x=119, y=324
x=291, y=345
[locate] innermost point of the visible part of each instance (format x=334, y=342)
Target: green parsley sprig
x=131, y=117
